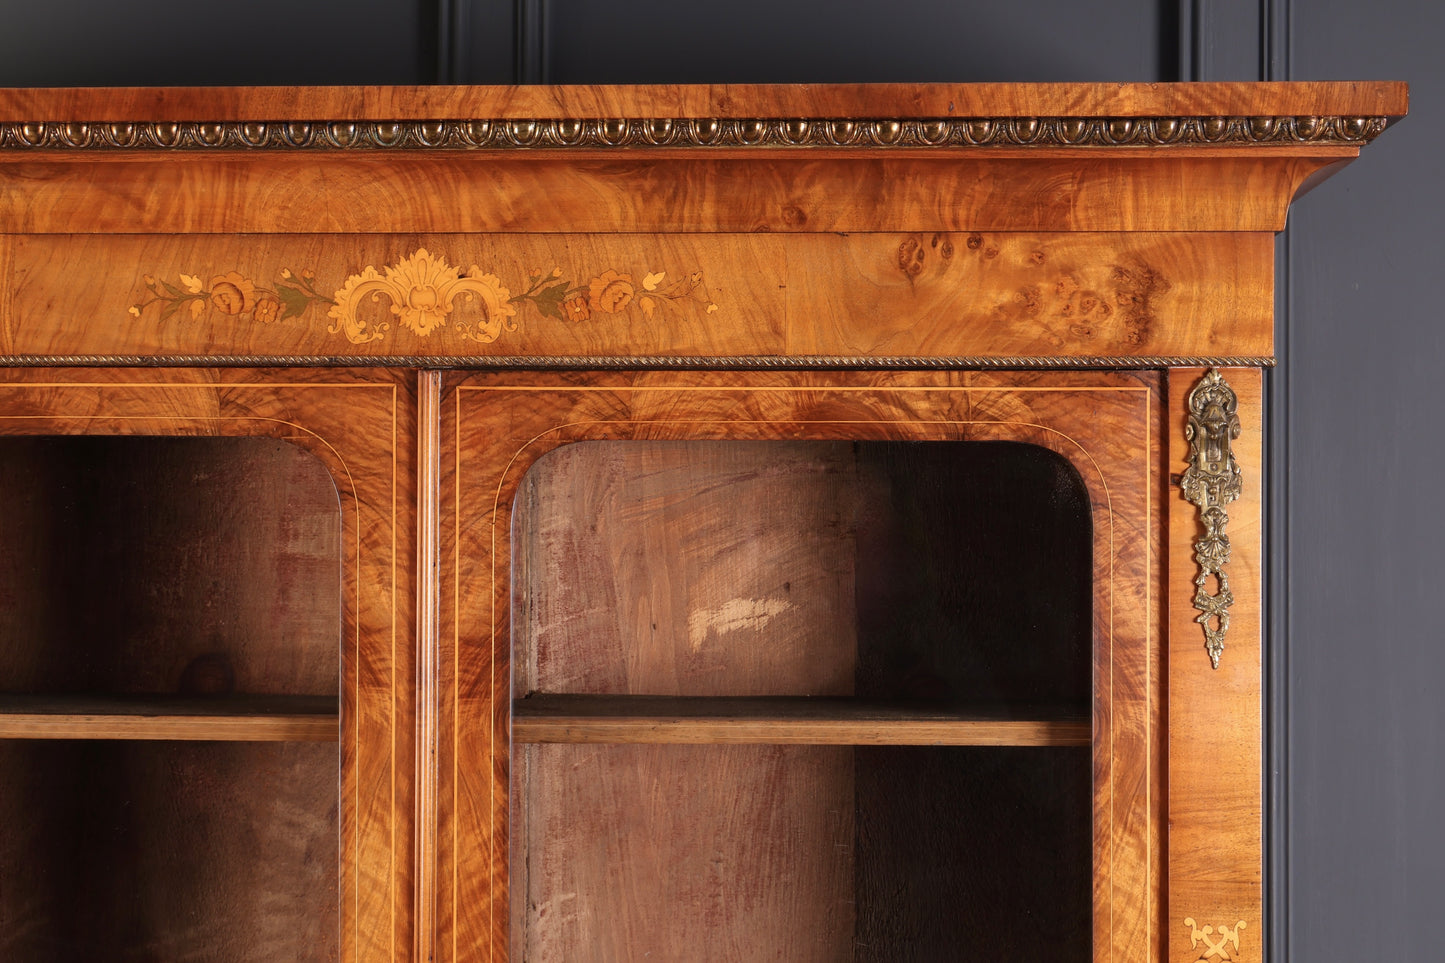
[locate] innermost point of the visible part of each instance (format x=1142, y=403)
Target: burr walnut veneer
x=688, y=523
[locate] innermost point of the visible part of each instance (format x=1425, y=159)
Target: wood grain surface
x=1042, y=189
x=1215, y=716
x=897, y=294
x=136, y=851
x=633, y=847
x=133, y=568
x=358, y=426
x=703, y=101
x=500, y=425
x=216, y=718
x=785, y=721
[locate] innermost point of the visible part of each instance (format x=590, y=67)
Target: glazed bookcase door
x=208, y=622
x=697, y=695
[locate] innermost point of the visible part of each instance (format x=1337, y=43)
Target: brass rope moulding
x=695, y=133
x=627, y=363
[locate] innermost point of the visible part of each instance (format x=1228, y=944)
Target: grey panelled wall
x=794, y=41
x=65, y=43
x=1357, y=663
x=1366, y=460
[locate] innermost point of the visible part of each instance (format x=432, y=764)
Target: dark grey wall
x=1357, y=661
x=794, y=41
x=100, y=42
x=1366, y=737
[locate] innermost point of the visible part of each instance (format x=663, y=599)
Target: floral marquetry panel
x=897, y=295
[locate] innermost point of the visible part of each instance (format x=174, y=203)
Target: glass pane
x=144, y=578
x=887, y=578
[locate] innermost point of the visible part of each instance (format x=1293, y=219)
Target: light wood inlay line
x=428, y=629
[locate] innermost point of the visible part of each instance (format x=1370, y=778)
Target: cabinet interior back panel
x=184, y=852
x=902, y=573
x=186, y=566
x=677, y=568
x=940, y=572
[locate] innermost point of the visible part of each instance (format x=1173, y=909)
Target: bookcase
x=688, y=523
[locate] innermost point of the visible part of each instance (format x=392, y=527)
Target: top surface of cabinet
x=702, y=101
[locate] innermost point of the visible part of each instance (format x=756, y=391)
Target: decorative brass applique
x=424, y=293
x=1214, y=949
x=604, y=134
x=1211, y=481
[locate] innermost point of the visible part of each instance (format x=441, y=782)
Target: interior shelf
x=790, y=720
x=232, y=718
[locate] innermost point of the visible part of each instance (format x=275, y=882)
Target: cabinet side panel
x=1215, y=787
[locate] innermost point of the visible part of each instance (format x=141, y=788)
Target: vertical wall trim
x=1276, y=40
x=453, y=29
x=532, y=65
x=1190, y=56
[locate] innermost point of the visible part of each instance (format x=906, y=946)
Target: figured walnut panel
x=1103, y=423
x=1054, y=189
x=357, y=427
x=893, y=295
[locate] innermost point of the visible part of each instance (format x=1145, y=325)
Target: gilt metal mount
x=1211, y=481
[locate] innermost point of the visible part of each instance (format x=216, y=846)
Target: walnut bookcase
x=712, y=523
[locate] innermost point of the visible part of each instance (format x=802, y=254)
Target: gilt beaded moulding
x=601, y=134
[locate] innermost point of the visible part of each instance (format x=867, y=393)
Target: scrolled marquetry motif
x=1214, y=942
x=423, y=290
x=605, y=134
x=1212, y=480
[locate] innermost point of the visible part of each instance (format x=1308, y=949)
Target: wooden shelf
x=238, y=718
x=797, y=720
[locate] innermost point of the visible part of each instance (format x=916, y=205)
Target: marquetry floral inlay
x=1214, y=942
x=422, y=293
